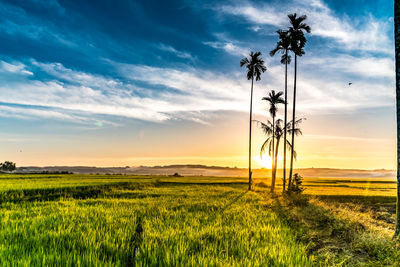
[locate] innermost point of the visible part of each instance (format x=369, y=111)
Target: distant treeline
x=44, y=172
x=191, y=166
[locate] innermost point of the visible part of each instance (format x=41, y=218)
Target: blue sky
x=147, y=82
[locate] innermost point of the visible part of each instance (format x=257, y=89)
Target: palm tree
x=397, y=52
x=273, y=99
x=255, y=66
x=283, y=46
x=279, y=133
x=297, y=43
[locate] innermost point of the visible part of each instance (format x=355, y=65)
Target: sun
x=265, y=161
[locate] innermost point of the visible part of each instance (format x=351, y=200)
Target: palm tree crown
x=283, y=45
x=253, y=63
x=296, y=33
x=279, y=130
x=274, y=99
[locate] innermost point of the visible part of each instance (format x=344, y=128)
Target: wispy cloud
x=17, y=67
x=367, y=34
x=181, y=54
x=189, y=94
x=229, y=47
x=87, y=94
x=17, y=22
x=265, y=15
x=365, y=66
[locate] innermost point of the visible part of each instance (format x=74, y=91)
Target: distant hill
x=202, y=170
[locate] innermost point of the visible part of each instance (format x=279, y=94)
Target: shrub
x=297, y=185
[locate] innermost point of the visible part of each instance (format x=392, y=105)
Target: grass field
x=118, y=220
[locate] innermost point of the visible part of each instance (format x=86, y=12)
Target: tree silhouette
x=273, y=99
x=397, y=56
x=297, y=43
x=255, y=66
x=283, y=46
x=8, y=166
x=278, y=134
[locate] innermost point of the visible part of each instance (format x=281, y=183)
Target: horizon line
x=200, y=166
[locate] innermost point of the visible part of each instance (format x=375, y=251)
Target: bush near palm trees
x=283, y=46
x=273, y=99
x=297, y=43
x=297, y=185
x=255, y=66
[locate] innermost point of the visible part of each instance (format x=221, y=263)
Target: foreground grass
x=118, y=220
x=339, y=234
x=126, y=221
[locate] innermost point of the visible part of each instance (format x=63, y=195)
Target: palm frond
x=254, y=65
x=282, y=46
x=290, y=147
x=295, y=131
x=244, y=61
x=275, y=50
x=266, y=127
x=289, y=127
x=266, y=143
x=296, y=33
x=274, y=99
x=305, y=27
x=296, y=122
x=292, y=18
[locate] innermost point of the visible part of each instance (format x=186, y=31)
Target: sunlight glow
x=265, y=161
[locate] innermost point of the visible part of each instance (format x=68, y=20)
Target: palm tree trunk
x=276, y=164
x=273, y=156
x=294, y=121
x=284, y=133
x=397, y=55
x=251, y=113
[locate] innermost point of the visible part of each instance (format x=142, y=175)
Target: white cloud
x=366, y=66
x=229, y=47
x=189, y=93
x=88, y=94
x=265, y=15
x=367, y=33
x=199, y=90
x=58, y=71
x=26, y=113
x=180, y=54
x=14, y=68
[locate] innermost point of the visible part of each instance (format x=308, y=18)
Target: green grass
x=74, y=220
x=121, y=220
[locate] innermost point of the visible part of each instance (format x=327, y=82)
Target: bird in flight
x=350, y=83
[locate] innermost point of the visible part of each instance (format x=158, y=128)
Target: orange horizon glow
x=224, y=142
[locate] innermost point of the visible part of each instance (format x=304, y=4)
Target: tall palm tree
x=297, y=43
x=283, y=46
x=397, y=52
x=278, y=134
x=273, y=99
x=255, y=66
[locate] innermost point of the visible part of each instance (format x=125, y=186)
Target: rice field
x=121, y=220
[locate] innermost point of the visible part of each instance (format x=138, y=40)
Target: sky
x=129, y=83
